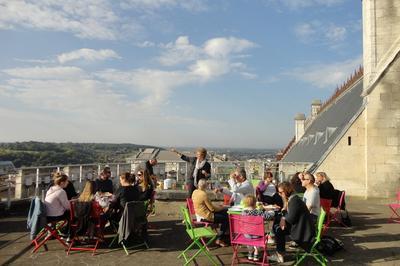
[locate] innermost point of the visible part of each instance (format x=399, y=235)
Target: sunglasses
x=139, y=174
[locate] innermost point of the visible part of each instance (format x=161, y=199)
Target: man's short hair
x=242, y=172
x=202, y=184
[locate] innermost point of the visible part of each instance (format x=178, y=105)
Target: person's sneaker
x=250, y=256
x=256, y=257
x=293, y=245
x=276, y=257
x=271, y=240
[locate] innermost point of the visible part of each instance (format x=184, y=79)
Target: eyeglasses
x=305, y=179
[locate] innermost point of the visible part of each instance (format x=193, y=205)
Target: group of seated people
x=132, y=187
x=296, y=204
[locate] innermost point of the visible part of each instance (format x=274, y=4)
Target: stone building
x=355, y=136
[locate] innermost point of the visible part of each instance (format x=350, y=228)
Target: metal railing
x=34, y=181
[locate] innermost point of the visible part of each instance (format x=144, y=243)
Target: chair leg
x=124, y=247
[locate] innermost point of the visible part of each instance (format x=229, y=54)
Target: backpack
x=329, y=245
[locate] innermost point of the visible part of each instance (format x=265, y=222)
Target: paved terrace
x=371, y=241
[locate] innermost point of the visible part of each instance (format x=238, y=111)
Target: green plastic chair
x=322, y=260
x=196, y=234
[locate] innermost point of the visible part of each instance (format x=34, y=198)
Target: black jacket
x=298, y=216
x=191, y=166
x=326, y=190
x=104, y=185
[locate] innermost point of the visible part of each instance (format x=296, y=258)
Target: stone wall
x=345, y=164
x=382, y=115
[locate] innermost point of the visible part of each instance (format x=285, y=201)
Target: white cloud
x=326, y=75
x=39, y=72
x=304, y=31
x=192, y=5
x=222, y=47
x=318, y=32
x=210, y=68
x=87, y=54
x=179, y=52
x=296, y=4
x=93, y=19
x=336, y=33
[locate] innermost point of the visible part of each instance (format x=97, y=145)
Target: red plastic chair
x=241, y=225
x=49, y=231
x=394, y=207
x=96, y=220
x=192, y=213
x=336, y=216
x=227, y=200
x=326, y=205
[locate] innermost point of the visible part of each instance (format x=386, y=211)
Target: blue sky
x=168, y=72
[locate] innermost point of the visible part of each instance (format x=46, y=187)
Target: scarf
x=197, y=168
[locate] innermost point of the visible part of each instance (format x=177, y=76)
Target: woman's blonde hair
x=322, y=174
x=250, y=201
x=202, y=151
x=88, y=192
x=59, y=177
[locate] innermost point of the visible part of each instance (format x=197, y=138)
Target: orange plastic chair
x=394, y=207
x=326, y=205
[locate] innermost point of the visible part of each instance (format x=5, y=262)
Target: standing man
x=147, y=165
x=198, y=168
x=104, y=183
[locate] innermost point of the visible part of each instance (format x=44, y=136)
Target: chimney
x=315, y=107
x=300, y=120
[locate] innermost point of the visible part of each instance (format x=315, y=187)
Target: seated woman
x=56, y=200
x=126, y=192
x=206, y=211
x=266, y=191
x=326, y=189
x=87, y=194
x=295, y=222
x=296, y=182
x=145, y=185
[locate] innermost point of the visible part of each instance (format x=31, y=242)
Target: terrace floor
x=371, y=241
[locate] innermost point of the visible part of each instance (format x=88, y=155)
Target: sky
x=213, y=73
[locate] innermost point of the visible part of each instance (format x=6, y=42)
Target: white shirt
x=239, y=190
x=311, y=198
x=56, y=201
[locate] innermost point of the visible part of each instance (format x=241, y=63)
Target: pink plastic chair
x=395, y=217
x=326, y=205
x=336, y=216
x=240, y=225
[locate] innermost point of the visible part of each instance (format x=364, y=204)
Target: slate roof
x=328, y=127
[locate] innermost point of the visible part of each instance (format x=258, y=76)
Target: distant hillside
x=45, y=153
